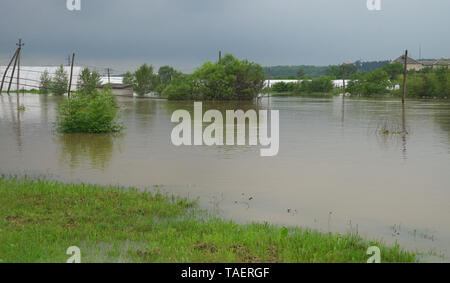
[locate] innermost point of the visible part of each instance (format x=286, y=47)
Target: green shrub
x=228, y=79
x=371, y=83
x=428, y=83
x=179, y=89
x=319, y=85
x=284, y=87
x=95, y=112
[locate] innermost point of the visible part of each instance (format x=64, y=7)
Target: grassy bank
x=40, y=219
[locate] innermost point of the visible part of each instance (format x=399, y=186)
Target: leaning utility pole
x=404, y=77
x=6, y=71
x=19, y=50
x=71, y=72
x=13, y=71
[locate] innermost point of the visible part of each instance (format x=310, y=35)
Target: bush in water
x=95, y=112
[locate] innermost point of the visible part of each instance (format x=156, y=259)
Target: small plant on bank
x=93, y=112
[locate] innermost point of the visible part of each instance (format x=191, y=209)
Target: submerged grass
x=40, y=219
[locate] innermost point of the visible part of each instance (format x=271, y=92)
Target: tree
x=94, y=112
x=60, y=81
x=283, y=87
x=322, y=84
x=88, y=81
x=370, y=83
x=393, y=70
x=45, y=84
x=144, y=80
x=180, y=88
x=370, y=66
x=128, y=78
x=442, y=81
x=300, y=73
x=166, y=74
x=228, y=79
x=344, y=69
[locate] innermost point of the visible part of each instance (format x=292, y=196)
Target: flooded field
x=336, y=171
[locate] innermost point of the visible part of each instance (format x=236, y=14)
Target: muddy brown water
x=334, y=171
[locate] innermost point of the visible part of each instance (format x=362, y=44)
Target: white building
x=30, y=76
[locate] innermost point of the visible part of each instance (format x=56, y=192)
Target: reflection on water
x=334, y=171
x=97, y=150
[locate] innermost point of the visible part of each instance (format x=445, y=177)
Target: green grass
x=40, y=219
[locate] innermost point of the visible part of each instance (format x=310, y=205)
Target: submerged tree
x=94, y=112
x=229, y=79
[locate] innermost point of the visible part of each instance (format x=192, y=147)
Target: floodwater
x=334, y=172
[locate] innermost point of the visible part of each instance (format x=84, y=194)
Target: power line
x=41, y=72
x=37, y=81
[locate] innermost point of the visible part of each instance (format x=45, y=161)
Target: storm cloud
x=184, y=33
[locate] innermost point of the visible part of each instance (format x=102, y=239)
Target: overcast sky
x=184, y=33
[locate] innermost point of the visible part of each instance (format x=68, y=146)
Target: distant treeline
x=387, y=80
x=309, y=71
x=226, y=79
x=292, y=72
x=370, y=66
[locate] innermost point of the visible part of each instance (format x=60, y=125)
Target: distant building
x=418, y=65
x=120, y=89
x=442, y=63
x=411, y=63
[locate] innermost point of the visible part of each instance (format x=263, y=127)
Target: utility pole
x=269, y=82
x=19, y=50
x=420, y=52
x=109, y=75
x=13, y=71
x=71, y=72
x=6, y=71
x=343, y=80
x=220, y=55
x=405, y=73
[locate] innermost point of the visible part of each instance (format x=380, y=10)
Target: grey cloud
x=185, y=33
